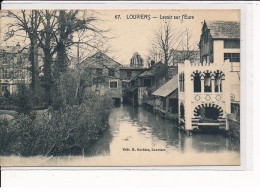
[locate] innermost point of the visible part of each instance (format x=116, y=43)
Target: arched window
x=207, y=83
x=197, y=83
x=182, y=111
x=218, y=82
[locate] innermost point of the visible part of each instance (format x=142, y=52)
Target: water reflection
x=133, y=128
x=136, y=127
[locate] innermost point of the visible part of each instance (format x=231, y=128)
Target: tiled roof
x=167, y=88
x=100, y=60
x=224, y=29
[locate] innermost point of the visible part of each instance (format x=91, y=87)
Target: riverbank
x=68, y=131
x=134, y=127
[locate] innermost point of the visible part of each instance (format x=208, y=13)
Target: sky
x=136, y=35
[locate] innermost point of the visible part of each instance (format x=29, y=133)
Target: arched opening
x=207, y=83
x=209, y=113
x=182, y=111
x=197, y=83
x=218, y=83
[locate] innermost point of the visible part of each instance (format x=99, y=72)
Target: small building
x=166, y=98
x=105, y=74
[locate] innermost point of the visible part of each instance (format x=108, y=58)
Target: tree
x=53, y=31
x=164, y=42
x=168, y=44
x=189, y=50
x=27, y=22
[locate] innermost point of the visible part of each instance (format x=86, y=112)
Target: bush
x=23, y=99
x=56, y=132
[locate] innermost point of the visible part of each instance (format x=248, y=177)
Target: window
x=19, y=60
x=4, y=87
x=111, y=72
x=5, y=74
x=218, y=83
x=5, y=58
x=197, y=83
x=147, y=83
x=129, y=74
x=207, y=83
x=19, y=74
x=231, y=43
x=113, y=84
x=234, y=57
x=182, y=111
x=182, y=82
x=99, y=72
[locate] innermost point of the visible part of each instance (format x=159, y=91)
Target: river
x=136, y=137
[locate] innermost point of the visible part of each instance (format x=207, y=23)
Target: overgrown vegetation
x=74, y=117
x=56, y=132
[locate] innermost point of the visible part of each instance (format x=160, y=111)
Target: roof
x=167, y=88
x=146, y=73
x=224, y=29
x=100, y=60
x=113, y=93
x=133, y=68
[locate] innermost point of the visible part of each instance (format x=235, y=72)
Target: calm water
x=136, y=128
x=132, y=129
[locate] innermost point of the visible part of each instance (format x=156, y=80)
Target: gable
x=100, y=60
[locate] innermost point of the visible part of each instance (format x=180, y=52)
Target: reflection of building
x=136, y=61
x=14, y=68
x=106, y=75
x=208, y=89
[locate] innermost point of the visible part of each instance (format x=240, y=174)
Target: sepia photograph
x=120, y=87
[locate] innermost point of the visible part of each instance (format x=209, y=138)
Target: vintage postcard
x=146, y=87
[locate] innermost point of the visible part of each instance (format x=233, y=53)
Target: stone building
x=14, y=68
x=207, y=90
x=136, y=60
x=105, y=75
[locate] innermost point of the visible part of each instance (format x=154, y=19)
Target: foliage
x=54, y=31
x=56, y=132
x=23, y=99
